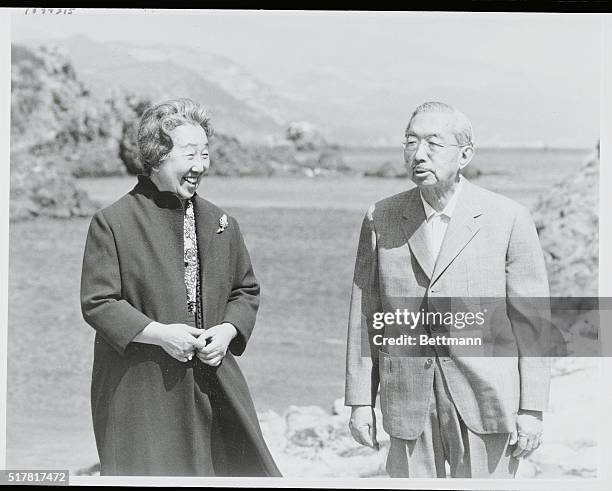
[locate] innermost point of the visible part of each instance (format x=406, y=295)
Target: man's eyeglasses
x=411, y=144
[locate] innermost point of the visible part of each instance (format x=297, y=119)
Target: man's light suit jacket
x=490, y=253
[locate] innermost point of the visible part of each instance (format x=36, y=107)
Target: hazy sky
x=492, y=56
x=541, y=44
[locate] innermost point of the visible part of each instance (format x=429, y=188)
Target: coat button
x=428, y=363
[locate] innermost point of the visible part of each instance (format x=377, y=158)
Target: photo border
x=605, y=289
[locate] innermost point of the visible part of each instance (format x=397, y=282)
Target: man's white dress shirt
x=437, y=221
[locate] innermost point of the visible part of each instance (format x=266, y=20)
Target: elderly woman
x=168, y=286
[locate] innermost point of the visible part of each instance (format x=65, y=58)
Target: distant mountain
x=240, y=104
x=351, y=103
x=225, y=73
x=361, y=111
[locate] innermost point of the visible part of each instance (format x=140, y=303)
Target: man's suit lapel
x=414, y=226
x=462, y=228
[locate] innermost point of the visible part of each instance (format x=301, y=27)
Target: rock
x=332, y=161
x=569, y=446
x=308, y=426
x=230, y=158
x=312, y=153
x=54, y=114
x=318, y=444
x=305, y=136
x=40, y=187
x=559, y=460
x=59, y=131
x=307, y=442
x=527, y=470
x=388, y=169
x=320, y=163
x=567, y=223
x=128, y=143
x=397, y=169
x=273, y=428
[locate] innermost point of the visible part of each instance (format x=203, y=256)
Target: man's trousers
x=446, y=438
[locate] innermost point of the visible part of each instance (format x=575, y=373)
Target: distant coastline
x=526, y=148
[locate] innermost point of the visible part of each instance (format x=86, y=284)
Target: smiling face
x=432, y=154
x=181, y=171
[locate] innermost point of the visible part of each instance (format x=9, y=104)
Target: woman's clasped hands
x=183, y=342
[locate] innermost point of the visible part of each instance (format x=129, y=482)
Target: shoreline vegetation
x=72, y=153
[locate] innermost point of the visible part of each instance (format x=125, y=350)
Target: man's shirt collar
x=450, y=206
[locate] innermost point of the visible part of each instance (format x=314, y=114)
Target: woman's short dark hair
x=156, y=124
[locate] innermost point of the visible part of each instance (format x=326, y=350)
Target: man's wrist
x=356, y=407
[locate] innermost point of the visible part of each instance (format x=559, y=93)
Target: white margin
x=605, y=251
x=604, y=479
x=5, y=146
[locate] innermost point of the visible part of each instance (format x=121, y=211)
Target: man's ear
x=467, y=153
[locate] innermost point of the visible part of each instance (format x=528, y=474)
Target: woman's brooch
x=223, y=224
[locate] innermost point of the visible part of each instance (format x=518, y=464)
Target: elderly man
x=446, y=239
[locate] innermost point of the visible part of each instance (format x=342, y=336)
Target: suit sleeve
x=362, y=378
x=243, y=302
x=529, y=311
x=102, y=306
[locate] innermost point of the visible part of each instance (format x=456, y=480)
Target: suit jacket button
x=428, y=363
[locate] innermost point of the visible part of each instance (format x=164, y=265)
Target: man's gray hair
x=462, y=128
x=158, y=121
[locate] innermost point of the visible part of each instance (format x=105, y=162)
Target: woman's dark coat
x=152, y=414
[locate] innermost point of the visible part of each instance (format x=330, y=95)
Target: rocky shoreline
x=61, y=130
x=310, y=442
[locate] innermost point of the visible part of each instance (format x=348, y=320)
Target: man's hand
x=363, y=426
x=220, y=337
x=528, y=434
